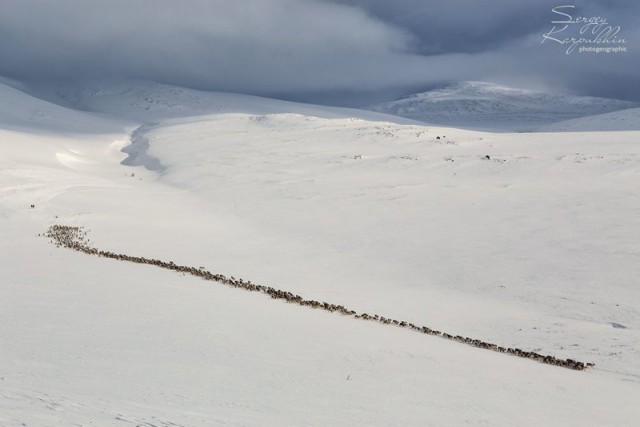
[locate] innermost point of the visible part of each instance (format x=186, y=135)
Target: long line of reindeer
x=75, y=238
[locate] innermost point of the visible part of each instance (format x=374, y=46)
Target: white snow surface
x=491, y=107
x=535, y=247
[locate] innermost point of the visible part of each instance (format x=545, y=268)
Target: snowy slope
x=21, y=111
x=487, y=106
x=376, y=204
x=535, y=247
x=622, y=120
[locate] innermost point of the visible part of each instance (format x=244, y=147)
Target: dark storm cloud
x=250, y=45
x=303, y=48
x=464, y=26
x=502, y=38
x=475, y=26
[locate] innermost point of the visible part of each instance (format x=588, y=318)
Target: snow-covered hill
x=622, y=120
x=21, y=111
x=149, y=102
x=487, y=106
x=526, y=240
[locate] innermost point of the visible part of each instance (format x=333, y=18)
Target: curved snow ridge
x=75, y=238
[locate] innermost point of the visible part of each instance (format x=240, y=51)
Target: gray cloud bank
x=329, y=50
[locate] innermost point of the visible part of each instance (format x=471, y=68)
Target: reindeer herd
x=76, y=238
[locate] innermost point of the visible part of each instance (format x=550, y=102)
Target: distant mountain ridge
x=487, y=106
x=149, y=102
x=465, y=105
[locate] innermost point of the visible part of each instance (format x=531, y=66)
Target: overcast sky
x=327, y=50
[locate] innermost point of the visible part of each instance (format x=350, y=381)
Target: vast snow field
x=536, y=246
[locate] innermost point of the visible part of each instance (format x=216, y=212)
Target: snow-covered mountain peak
x=488, y=106
x=473, y=88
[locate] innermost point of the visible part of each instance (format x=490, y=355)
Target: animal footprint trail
x=76, y=238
